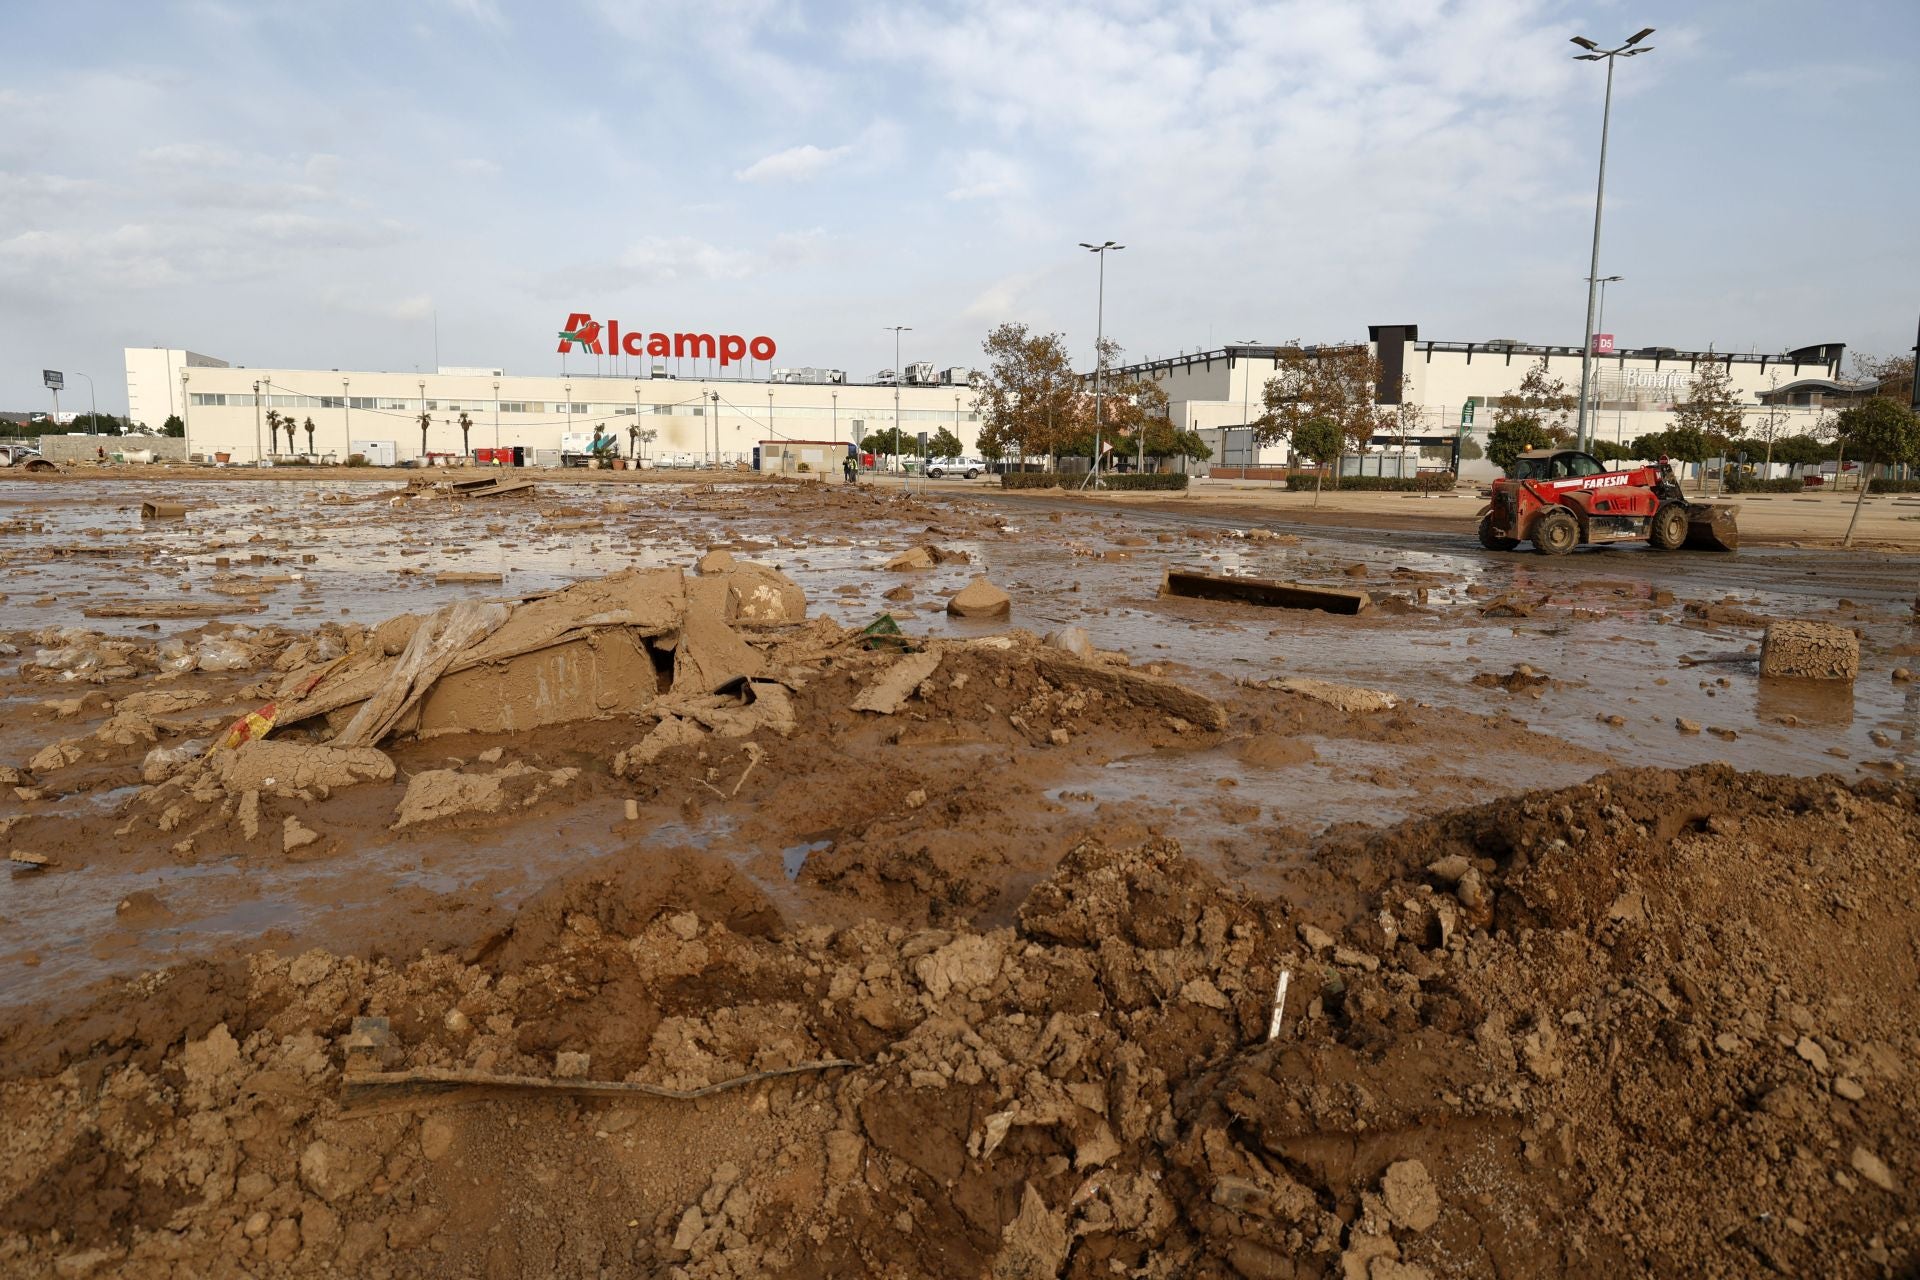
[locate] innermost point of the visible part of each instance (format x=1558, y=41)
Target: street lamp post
x=496, y=423
x=1246, y=402
x=898, y=375
x=836, y=417
x=346, y=416
x=1594, y=53
x=186, y=417
x=93, y=406
x=256, y=424
x=713, y=455
x=1099, y=350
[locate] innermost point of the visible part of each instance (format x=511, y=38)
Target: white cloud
x=983, y=175
x=795, y=164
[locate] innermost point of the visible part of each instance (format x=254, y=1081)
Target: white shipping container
x=378, y=453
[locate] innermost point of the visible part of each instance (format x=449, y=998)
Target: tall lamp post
x=93, y=406
x=346, y=417
x=713, y=459
x=898, y=376
x=186, y=417
x=1594, y=53
x=1099, y=348
x=1599, y=324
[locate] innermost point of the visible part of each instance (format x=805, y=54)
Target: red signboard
x=584, y=331
x=1603, y=344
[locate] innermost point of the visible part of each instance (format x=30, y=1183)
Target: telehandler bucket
x=1712, y=527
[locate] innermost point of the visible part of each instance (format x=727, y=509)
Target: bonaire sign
x=583, y=331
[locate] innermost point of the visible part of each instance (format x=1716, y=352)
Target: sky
x=320, y=184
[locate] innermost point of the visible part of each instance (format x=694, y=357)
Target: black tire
x=1668, y=528
x=972, y=474
x=1556, y=532
x=935, y=474
x=1491, y=540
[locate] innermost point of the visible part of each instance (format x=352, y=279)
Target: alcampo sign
x=584, y=331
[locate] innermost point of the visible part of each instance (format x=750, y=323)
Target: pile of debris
x=1580, y=1033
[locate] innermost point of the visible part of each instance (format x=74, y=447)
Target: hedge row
x=1883, y=485
x=1750, y=484
x=1127, y=480
x=1425, y=482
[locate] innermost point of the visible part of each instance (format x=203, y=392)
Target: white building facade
x=719, y=418
x=1456, y=385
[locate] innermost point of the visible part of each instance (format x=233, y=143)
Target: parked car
x=968, y=467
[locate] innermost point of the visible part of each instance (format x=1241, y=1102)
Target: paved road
x=1863, y=576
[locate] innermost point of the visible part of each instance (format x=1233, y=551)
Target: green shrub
x=1112, y=481
x=1884, y=485
x=1753, y=484
x=1425, y=482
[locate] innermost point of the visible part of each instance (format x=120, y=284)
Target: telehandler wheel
x=1493, y=541
x=1668, y=528
x=1556, y=532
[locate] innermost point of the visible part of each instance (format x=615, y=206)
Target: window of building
x=402, y=405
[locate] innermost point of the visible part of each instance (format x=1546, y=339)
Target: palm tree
x=633, y=441
x=291, y=426
x=426, y=420
x=466, y=425
x=309, y=426
x=273, y=430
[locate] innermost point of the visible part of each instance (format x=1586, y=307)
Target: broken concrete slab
x=1263, y=592
x=889, y=691
x=980, y=599
x=163, y=511
x=1805, y=650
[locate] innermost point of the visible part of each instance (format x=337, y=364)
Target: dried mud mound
x=1658, y=1024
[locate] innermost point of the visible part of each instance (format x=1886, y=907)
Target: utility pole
x=256, y=424
x=899, y=375
x=186, y=417
x=346, y=420
x=1594, y=53
x=1099, y=352
x=496, y=418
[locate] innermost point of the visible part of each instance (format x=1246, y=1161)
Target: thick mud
x=1546, y=1015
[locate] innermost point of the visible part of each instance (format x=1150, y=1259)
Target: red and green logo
x=581, y=329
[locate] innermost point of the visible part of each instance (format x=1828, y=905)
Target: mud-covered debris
x=1806, y=650
x=913, y=558
x=1073, y=640
x=895, y=683
x=1342, y=697
x=980, y=599
x=1264, y=592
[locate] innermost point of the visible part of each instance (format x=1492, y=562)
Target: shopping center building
x=1455, y=385
x=712, y=397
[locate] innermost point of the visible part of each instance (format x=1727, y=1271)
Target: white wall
x=361, y=405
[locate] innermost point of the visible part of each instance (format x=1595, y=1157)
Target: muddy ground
x=1601, y=951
